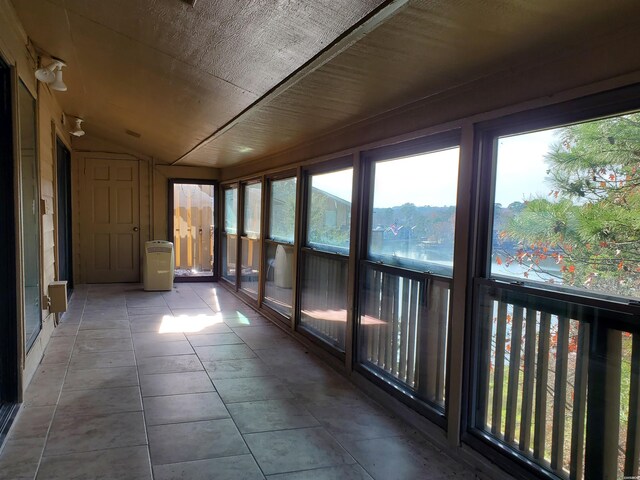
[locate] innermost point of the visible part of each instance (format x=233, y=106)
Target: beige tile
x=100, y=401
x=86, y=361
x=191, y=407
x=198, y=441
x=175, y=383
x=251, y=389
x=343, y=472
x=73, y=434
x=104, y=333
x=268, y=415
x=161, y=349
x=130, y=463
x=397, y=457
x=32, y=422
x=101, y=378
x=241, y=368
x=352, y=423
x=172, y=364
x=20, y=457
x=225, y=468
x=214, y=339
x=224, y=352
x=293, y=450
x=95, y=345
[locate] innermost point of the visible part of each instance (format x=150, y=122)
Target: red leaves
x=499, y=260
x=620, y=266
x=572, y=268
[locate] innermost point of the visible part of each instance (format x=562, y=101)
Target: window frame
x=304, y=201
x=608, y=104
x=223, y=234
x=396, y=388
x=217, y=231
x=242, y=185
x=267, y=241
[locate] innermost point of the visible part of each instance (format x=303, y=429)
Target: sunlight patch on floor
x=188, y=323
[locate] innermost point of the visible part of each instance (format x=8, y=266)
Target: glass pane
x=279, y=278
x=412, y=223
x=567, y=207
x=30, y=214
x=250, y=243
x=329, y=215
x=229, y=249
x=250, y=265
x=193, y=229
x=282, y=208
x=231, y=210
x=252, y=209
x=324, y=298
x=404, y=337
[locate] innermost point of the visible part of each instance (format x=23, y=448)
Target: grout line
x=55, y=410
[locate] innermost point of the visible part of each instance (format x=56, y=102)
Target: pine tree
x=590, y=222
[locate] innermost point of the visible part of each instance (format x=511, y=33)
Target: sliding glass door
x=30, y=207
x=193, y=227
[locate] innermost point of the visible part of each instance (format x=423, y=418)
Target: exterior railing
x=403, y=328
x=558, y=381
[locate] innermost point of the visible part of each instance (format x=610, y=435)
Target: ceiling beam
x=381, y=14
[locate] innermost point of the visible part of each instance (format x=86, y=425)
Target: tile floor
x=193, y=384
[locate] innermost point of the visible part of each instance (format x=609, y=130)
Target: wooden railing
x=323, y=305
x=403, y=328
x=558, y=384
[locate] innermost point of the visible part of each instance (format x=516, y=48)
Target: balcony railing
x=558, y=381
x=403, y=329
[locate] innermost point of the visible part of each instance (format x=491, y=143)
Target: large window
x=323, y=298
x=280, y=275
x=558, y=365
x=250, y=239
x=406, y=278
x=229, y=234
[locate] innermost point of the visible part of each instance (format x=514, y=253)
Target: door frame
x=78, y=171
x=10, y=335
x=58, y=143
x=216, y=241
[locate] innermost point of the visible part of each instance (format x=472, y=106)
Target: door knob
x=135, y=229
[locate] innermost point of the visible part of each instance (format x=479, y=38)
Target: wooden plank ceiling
x=198, y=82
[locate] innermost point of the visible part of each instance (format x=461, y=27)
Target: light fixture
x=78, y=131
x=52, y=75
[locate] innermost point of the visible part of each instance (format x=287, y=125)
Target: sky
x=431, y=179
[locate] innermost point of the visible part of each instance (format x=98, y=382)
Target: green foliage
x=590, y=222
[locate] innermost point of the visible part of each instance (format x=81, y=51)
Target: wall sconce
x=52, y=75
x=78, y=131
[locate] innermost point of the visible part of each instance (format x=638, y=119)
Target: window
x=558, y=345
x=566, y=205
x=329, y=214
x=229, y=238
x=414, y=206
x=250, y=240
x=405, y=286
x=280, y=274
x=324, y=278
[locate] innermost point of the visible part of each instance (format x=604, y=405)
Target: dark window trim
x=9, y=346
x=593, y=107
